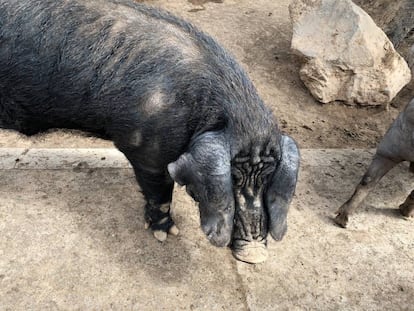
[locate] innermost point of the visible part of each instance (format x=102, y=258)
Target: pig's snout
x=250, y=251
x=250, y=229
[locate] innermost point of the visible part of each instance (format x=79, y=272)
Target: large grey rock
x=346, y=56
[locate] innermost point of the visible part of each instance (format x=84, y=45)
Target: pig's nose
x=250, y=251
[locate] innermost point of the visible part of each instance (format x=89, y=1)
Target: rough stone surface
x=395, y=17
x=347, y=57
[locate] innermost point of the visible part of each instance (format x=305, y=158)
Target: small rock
x=306, y=127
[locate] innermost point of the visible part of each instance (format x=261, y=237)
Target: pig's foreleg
x=157, y=187
x=378, y=168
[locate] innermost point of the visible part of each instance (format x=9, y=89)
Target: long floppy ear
x=205, y=169
x=282, y=187
x=180, y=169
x=208, y=153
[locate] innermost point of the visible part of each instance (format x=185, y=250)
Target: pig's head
x=241, y=200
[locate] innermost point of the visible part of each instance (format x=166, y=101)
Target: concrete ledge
x=70, y=158
x=61, y=158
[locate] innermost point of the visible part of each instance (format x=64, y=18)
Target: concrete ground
x=72, y=238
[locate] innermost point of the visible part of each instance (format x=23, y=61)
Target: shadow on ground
x=80, y=234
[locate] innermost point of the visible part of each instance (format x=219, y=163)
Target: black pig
x=170, y=98
x=395, y=147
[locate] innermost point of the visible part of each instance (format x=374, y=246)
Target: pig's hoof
x=341, y=219
x=174, y=230
x=162, y=235
x=407, y=210
x=251, y=252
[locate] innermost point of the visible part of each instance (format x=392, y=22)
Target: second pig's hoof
x=407, y=210
x=341, y=219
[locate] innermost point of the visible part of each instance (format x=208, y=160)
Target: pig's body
x=122, y=71
x=396, y=146
x=162, y=91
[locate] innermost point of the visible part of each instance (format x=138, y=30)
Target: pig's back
x=77, y=64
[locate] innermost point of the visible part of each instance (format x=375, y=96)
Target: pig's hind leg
x=411, y=169
x=377, y=169
x=157, y=187
x=407, y=208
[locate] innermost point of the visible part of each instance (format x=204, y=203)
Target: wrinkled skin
x=171, y=99
x=396, y=146
x=264, y=186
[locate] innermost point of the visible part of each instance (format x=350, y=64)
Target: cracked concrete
x=72, y=238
